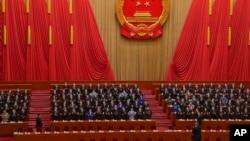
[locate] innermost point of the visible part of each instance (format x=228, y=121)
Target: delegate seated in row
x=101, y=114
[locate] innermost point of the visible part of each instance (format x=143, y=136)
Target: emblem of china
x=142, y=19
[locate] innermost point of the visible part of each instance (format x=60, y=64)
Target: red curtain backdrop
x=14, y=54
x=1, y=41
x=195, y=60
x=86, y=59
x=239, y=52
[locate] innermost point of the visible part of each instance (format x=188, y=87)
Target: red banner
x=142, y=19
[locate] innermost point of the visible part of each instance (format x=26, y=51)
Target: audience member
x=5, y=116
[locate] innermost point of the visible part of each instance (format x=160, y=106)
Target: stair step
x=32, y=109
x=40, y=91
x=160, y=117
x=149, y=96
x=158, y=114
x=161, y=128
x=146, y=91
x=43, y=116
x=163, y=124
x=153, y=103
x=156, y=107
x=40, y=103
x=40, y=97
x=163, y=121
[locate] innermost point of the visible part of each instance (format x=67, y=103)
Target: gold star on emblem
x=138, y=3
x=147, y=4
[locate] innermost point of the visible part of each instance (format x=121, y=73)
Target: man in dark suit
x=39, y=123
x=196, y=132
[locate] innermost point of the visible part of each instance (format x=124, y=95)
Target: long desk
x=168, y=135
x=209, y=124
x=7, y=128
x=103, y=125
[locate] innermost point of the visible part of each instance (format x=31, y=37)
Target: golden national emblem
x=142, y=19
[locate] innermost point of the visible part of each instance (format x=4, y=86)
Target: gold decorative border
x=122, y=19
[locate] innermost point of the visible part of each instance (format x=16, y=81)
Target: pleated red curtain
x=1, y=41
x=60, y=50
x=194, y=59
x=190, y=60
x=88, y=58
x=38, y=52
x=239, y=52
x=61, y=45
x=14, y=53
x=219, y=23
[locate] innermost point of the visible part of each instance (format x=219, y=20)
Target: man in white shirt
x=131, y=114
x=5, y=116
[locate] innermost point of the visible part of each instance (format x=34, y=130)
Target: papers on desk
x=37, y=133
x=66, y=132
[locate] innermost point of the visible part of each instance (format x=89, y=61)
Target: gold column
x=231, y=6
x=4, y=35
x=71, y=35
x=50, y=35
x=210, y=7
x=49, y=6
x=3, y=6
x=208, y=35
x=70, y=6
x=27, y=6
x=29, y=36
x=229, y=36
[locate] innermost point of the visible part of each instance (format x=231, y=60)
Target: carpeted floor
x=6, y=139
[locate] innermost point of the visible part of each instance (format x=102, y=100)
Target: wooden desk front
x=213, y=124
x=7, y=128
x=172, y=135
x=104, y=125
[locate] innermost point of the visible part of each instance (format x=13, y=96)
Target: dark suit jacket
x=196, y=133
x=39, y=122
